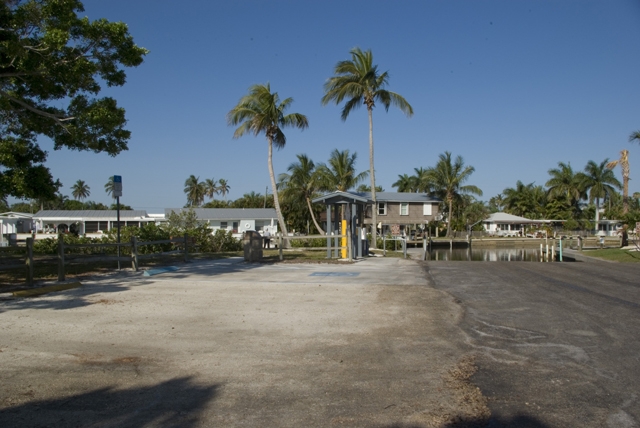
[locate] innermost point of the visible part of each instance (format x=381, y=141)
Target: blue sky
x=512, y=86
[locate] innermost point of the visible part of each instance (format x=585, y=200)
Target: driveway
x=557, y=343
x=229, y=343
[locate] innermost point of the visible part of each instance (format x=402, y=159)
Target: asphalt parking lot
x=229, y=343
x=557, y=343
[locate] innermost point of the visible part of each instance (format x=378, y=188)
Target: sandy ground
x=228, y=343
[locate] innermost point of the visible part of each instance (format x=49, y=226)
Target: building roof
x=380, y=197
x=508, y=218
x=13, y=214
x=228, y=213
x=340, y=197
x=92, y=215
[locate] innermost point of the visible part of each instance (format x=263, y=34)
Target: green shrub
x=309, y=243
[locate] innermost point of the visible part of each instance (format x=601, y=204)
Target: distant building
x=12, y=223
x=88, y=221
x=236, y=220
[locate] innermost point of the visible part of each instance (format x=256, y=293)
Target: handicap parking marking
x=334, y=274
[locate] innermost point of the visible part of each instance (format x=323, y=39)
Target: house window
x=223, y=225
x=404, y=209
x=426, y=209
x=382, y=208
x=235, y=226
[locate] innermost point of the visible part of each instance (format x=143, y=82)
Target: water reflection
x=485, y=254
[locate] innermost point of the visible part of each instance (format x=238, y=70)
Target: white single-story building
x=237, y=220
x=503, y=224
x=12, y=223
x=88, y=221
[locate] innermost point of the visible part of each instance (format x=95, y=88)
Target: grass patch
x=615, y=254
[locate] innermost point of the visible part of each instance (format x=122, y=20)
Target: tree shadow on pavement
x=176, y=402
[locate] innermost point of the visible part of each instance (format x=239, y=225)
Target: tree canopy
x=53, y=64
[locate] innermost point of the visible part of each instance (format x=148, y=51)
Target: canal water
x=485, y=254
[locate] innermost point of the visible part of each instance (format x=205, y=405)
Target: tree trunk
x=597, y=213
x=374, y=208
x=276, y=202
x=449, y=216
x=313, y=217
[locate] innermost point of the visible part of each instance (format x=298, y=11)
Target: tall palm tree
x=599, y=181
x=302, y=182
x=108, y=187
x=496, y=203
x=195, y=191
x=446, y=179
x=525, y=200
x=624, y=165
x=223, y=188
x=565, y=184
x=80, y=190
x=261, y=111
x=359, y=82
x=341, y=173
x=635, y=136
x=210, y=187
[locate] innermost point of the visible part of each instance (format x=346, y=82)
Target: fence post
x=186, y=248
x=404, y=247
x=424, y=248
x=60, y=257
x=29, y=261
x=134, y=253
x=384, y=245
x=280, y=242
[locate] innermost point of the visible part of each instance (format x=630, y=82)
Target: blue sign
x=117, y=179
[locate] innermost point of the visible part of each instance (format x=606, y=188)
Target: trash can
x=252, y=243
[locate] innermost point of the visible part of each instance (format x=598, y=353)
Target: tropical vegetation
x=358, y=82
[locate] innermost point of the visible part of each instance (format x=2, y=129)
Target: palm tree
x=447, y=178
x=80, y=190
x=223, y=188
x=302, y=182
x=210, y=188
x=405, y=184
x=635, y=136
x=624, y=165
x=421, y=180
x=340, y=174
x=366, y=188
x=599, y=181
x=195, y=191
x=564, y=184
x=359, y=82
x=261, y=111
x=108, y=187
x=525, y=200
x=496, y=203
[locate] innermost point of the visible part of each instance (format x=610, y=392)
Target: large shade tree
x=358, y=82
x=262, y=112
x=302, y=182
x=447, y=179
x=80, y=190
x=53, y=65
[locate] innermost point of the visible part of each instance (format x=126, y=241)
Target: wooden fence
x=24, y=255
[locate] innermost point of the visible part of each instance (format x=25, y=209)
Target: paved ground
x=226, y=343
x=557, y=342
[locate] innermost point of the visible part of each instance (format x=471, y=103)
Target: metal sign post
x=117, y=192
